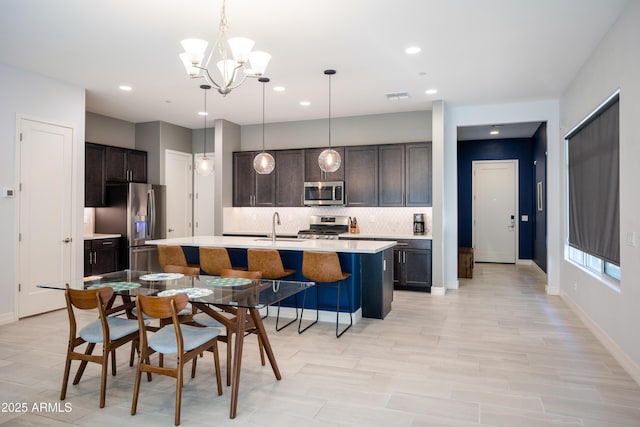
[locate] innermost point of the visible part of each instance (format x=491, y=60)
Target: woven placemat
x=117, y=286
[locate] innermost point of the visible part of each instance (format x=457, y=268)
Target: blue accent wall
x=520, y=149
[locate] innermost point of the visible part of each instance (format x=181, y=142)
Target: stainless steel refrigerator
x=137, y=212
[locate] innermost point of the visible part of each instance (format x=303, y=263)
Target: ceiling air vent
x=396, y=96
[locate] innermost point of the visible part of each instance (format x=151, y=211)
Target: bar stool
x=214, y=260
x=269, y=262
x=172, y=255
x=324, y=269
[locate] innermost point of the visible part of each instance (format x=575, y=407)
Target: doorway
x=45, y=220
x=179, y=182
x=495, y=210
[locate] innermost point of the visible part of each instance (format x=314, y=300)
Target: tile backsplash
x=370, y=220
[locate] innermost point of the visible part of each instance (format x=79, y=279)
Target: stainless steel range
x=325, y=227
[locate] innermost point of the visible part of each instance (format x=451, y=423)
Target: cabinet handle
x=107, y=243
x=404, y=257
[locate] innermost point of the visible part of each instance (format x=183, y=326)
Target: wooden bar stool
x=269, y=262
x=324, y=269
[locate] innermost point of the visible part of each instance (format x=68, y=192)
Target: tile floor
x=497, y=352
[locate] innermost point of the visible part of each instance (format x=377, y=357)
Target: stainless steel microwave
x=324, y=193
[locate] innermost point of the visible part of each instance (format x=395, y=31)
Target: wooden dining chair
x=184, y=341
x=110, y=331
x=206, y=320
x=269, y=262
x=324, y=269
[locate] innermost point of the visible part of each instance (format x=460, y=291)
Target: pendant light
x=263, y=163
x=329, y=160
x=204, y=164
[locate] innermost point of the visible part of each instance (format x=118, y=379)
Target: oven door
x=324, y=193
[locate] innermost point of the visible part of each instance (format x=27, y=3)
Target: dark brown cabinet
x=312, y=171
x=125, y=165
x=391, y=174
x=418, y=178
x=289, y=173
x=251, y=188
x=101, y=256
x=95, y=178
x=404, y=174
x=361, y=175
x=412, y=265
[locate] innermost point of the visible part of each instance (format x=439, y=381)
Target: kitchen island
x=369, y=262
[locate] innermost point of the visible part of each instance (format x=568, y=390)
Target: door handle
x=512, y=223
x=67, y=240
x=170, y=230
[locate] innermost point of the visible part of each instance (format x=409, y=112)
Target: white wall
x=38, y=97
x=614, y=64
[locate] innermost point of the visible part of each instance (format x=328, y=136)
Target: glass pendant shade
x=204, y=166
x=264, y=163
x=329, y=160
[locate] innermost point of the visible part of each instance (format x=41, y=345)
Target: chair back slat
x=253, y=275
x=160, y=307
x=88, y=299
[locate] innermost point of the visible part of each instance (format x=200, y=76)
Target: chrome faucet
x=276, y=215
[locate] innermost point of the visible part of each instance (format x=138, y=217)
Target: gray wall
x=612, y=307
x=106, y=130
x=359, y=130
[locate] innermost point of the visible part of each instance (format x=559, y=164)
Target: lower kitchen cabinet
x=412, y=265
x=101, y=256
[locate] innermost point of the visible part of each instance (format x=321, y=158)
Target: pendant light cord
x=329, y=111
x=263, y=87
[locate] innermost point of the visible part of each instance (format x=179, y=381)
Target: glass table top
x=214, y=290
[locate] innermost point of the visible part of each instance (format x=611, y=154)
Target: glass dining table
x=211, y=294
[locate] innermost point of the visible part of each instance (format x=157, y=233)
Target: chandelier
x=235, y=60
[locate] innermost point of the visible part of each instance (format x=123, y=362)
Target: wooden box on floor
x=465, y=263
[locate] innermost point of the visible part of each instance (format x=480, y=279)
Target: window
x=594, y=195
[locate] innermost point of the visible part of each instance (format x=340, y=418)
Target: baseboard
x=623, y=359
x=438, y=290
x=310, y=314
x=525, y=262
x=453, y=285
x=6, y=318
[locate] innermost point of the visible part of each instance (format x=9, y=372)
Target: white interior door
x=179, y=182
x=45, y=220
x=495, y=211
x=204, y=202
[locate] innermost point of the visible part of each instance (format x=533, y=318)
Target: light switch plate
x=631, y=238
x=8, y=193
x=525, y=218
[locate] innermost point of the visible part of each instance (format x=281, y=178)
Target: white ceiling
x=473, y=51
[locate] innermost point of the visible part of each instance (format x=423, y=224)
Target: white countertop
x=393, y=236
x=101, y=236
x=288, y=244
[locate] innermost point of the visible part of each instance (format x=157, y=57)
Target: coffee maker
x=418, y=223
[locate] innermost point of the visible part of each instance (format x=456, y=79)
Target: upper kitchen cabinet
x=361, y=175
x=251, y=188
x=418, y=178
x=312, y=171
x=404, y=174
x=95, y=164
x=290, y=177
x=124, y=165
x=391, y=174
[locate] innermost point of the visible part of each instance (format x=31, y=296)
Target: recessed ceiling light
x=431, y=91
x=412, y=50
x=126, y=88
x=305, y=103
x=203, y=113
x=279, y=88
